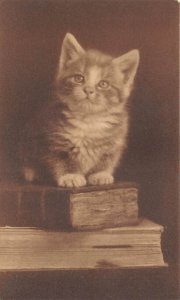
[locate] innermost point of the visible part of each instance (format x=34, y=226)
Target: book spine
x=34, y=208
x=9, y=208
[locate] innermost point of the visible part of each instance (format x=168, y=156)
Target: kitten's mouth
x=92, y=99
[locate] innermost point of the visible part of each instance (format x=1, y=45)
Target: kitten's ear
x=70, y=51
x=127, y=65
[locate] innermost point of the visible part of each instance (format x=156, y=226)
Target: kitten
x=80, y=136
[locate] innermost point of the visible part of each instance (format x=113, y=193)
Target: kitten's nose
x=89, y=90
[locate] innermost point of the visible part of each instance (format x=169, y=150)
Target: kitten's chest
x=90, y=139
x=88, y=133
x=86, y=138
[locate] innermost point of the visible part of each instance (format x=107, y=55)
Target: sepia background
x=31, y=33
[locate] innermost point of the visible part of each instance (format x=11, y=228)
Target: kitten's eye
x=103, y=84
x=78, y=78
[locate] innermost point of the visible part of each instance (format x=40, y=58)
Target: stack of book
x=87, y=228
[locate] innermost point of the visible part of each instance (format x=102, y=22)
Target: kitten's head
x=90, y=81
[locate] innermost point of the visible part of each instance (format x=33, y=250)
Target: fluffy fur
x=80, y=136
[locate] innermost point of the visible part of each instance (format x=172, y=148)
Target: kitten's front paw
x=71, y=180
x=100, y=178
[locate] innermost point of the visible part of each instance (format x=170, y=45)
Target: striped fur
x=80, y=136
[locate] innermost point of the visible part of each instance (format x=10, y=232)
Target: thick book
x=86, y=208
x=35, y=249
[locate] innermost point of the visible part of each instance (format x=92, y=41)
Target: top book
x=86, y=208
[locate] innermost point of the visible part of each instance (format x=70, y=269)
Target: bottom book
x=34, y=249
